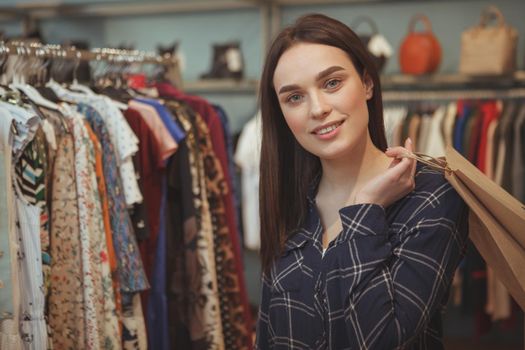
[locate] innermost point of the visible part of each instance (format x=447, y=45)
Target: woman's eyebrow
x=287, y=88
x=328, y=71
x=319, y=76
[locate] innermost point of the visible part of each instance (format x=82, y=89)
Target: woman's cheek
x=295, y=122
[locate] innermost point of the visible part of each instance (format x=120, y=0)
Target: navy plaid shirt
x=382, y=283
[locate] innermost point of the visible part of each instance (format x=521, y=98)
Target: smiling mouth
x=328, y=129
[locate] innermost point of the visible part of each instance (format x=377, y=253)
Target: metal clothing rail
x=100, y=54
x=449, y=95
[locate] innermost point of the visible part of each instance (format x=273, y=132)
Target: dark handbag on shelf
x=379, y=49
x=487, y=50
x=227, y=62
x=420, y=52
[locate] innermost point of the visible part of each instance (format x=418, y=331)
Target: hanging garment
x=104, y=207
x=68, y=315
x=134, y=329
x=201, y=107
x=490, y=154
x=490, y=113
x=31, y=172
x=518, y=161
x=33, y=330
x=157, y=312
x=131, y=273
x=122, y=137
x=472, y=139
x=195, y=277
x=235, y=325
x=436, y=144
x=231, y=167
x=394, y=117
x=413, y=129
x=9, y=272
x=424, y=132
x=98, y=285
x=181, y=212
x=150, y=163
x=206, y=111
x=448, y=123
x=247, y=156
x=503, y=140
x=167, y=119
x=30, y=181
x=167, y=144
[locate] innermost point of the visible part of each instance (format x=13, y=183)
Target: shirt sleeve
x=401, y=279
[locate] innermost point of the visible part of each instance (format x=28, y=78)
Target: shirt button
x=1, y=253
x=1, y=284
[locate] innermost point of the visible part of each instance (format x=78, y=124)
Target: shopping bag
x=496, y=219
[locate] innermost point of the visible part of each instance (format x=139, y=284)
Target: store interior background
x=197, y=29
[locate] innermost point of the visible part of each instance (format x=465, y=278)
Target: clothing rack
x=118, y=56
x=450, y=95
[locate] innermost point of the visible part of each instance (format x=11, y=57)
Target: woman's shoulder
x=433, y=196
x=428, y=179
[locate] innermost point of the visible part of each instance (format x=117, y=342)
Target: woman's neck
x=343, y=176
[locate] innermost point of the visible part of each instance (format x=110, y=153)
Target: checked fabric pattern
x=382, y=283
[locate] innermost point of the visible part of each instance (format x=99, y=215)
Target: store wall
x=198, y=30
x=449, y=19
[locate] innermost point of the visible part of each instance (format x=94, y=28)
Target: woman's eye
x=294, y=98
x=332, y=83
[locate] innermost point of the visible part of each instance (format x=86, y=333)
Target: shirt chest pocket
x=288, y=273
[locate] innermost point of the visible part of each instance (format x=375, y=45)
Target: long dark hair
x=287, y=169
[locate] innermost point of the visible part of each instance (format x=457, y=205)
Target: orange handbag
x=420, y=52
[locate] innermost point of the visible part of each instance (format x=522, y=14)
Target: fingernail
x=409, y=140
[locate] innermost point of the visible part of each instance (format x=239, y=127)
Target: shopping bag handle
x=435, y=163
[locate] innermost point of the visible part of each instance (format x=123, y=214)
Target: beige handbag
x=487, y=50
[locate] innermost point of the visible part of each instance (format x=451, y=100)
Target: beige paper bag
x=496, y=219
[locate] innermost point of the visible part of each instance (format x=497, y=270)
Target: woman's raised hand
x=395, y=183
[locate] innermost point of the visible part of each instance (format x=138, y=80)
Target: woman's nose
x=319, y=107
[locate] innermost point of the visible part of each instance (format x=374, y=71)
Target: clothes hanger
x=28, y=90
x=75, y=86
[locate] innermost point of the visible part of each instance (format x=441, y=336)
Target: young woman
x=359, y=244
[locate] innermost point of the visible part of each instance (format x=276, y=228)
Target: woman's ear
x=368, y=84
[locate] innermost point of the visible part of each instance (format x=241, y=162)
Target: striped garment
x=382, y=283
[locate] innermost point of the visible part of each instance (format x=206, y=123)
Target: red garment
x=475, y=134
x=490, y=113
x=206, y=111
x=149, y=165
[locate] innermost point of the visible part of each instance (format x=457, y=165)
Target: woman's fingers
x=405, y=166
x=410, y=147
x=396, y=152
x=401, y=169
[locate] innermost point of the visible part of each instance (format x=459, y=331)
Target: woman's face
x=323, y=99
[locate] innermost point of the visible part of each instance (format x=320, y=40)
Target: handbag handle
x=489, y=13
x=364, y=19
x=420, y=17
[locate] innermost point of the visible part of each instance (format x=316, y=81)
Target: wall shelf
x=447, y=81
x=39, y=10
x=248, y=86
x=388, y=83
